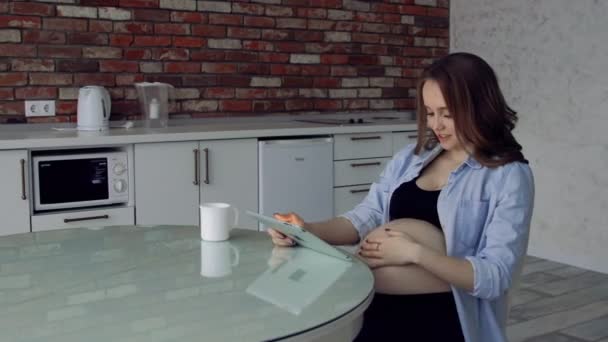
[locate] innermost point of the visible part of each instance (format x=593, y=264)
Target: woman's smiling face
x=438, y=118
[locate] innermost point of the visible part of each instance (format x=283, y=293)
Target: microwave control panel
x=119, y=177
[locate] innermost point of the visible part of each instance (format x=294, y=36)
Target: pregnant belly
x=411, y=279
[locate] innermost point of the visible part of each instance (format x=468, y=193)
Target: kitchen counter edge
x=52, y=138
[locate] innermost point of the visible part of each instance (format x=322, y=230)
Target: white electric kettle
x=94, y=107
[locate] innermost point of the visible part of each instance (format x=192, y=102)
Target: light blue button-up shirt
x=485, y=216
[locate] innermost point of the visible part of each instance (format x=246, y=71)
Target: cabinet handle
x=365, y=164
x=23, y=196
x=196, y=162
x=68, y=220
x=413, y=136
x=359, y=190
x=375, y=137
x=206, y=150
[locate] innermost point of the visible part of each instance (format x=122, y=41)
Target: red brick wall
x=224, y=57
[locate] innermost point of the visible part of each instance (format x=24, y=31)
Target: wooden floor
x=559, y=303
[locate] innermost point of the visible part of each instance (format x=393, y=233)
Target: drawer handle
x=365, y=164
x=359, y=190
x=375, y=137
x=413, y=136
x=68, y=220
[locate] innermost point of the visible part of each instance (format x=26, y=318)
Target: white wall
x=551, y=57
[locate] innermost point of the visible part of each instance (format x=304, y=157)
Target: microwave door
x=70, y=183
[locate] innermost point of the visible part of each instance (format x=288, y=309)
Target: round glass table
x=164, y=284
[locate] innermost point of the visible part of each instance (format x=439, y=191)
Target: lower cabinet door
x=346, y=198
x=96, y=218
x=229, y=174
x=166, y=183
x=14, y=193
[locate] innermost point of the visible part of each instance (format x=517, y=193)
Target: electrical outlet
x=40, y=108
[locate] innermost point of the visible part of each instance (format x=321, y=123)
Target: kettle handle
x=171, y=94
x=103, y=107
x=106, y=103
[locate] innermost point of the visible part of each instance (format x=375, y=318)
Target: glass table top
x=164, y=284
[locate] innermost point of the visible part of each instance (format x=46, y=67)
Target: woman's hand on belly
x=395, y=249
x=397, y=243
x=377, y=233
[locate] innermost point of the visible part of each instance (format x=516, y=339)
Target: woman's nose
x=436, y=123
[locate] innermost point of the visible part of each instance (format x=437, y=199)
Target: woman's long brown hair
x=482, y=118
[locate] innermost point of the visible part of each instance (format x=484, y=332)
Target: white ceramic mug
x=215, y=221
x=218, y=258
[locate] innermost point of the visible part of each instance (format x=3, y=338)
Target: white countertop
x=35, y=136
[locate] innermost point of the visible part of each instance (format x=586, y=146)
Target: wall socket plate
x=40, y=108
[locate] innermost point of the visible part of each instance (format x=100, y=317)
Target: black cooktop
x=351, y=121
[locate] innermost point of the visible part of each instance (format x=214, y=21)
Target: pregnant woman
x=445, y=228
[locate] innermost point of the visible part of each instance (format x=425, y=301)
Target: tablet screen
x=301, y=236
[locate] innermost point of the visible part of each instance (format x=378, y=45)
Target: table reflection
x=218, y=258
x=296, y=277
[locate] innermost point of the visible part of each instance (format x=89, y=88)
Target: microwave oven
x=67, y=181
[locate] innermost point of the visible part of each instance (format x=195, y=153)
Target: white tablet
x=301, y=236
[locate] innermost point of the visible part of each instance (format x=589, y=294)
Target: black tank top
x=409, y=201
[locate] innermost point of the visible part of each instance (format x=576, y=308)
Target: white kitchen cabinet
x=229, y=173
x=165, y=189
x=172, y=178
x=353, y=177
x=402, y=139
x=14, y=197
x=358, y=161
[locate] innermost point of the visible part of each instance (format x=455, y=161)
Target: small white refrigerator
x=297, y=175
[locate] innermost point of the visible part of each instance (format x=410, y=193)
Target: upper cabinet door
x=14, y=196
x=229, y=173
x=166, y=189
